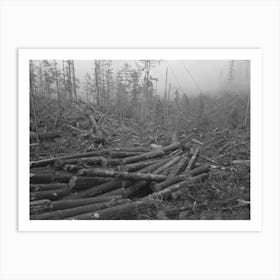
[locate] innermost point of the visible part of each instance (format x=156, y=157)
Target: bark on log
x=62, y=214
x=96, y=190
x=72, y=203
x=192, y=161
x=152, y=154
x=136, y=166
x=179, y=167
x=123, y=154
x=47, y=187
x=167, y=165
x=141, y=184
x=142, y=157
x=169, y=182
x=45, y=162
x=198, y=170
x=51, y=195
x=122, y=175
x=45, y=178
x=80, y=183
x=135, y=187
x=96, y=161
x=39, y=206
x=117, y=192
x=127, y=211
x=167, y=191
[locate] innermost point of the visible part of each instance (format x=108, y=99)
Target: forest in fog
x=149, y=91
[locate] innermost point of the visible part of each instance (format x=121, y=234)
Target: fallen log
x=132, y=189
x=45, y=178
x=135, y=188
x=96, y=161
x=198, y=170
x=179, y=167
x=117, y=192
x=80, y=183
x=142, y=157
x=45, y=162
x=122, y=175
x=51, y=194
x=137, y=166
x=66, y=213
x=72, y=203
x=123, y=154
x=167, y=165
x=47, y=187
x=39, y=206
x=192, y=161
x=100, y=189
x=127, y=211
x=167, y=191
x=169, y=182
x=182, y=192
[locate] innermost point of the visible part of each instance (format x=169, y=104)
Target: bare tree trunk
x=69, y=81
x=58, y=95
x=74, y=81
x=97, y=72
x=31, y=84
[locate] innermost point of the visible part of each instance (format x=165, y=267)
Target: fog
x=188, y=76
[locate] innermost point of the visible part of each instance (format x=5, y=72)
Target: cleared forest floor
x=213, y=182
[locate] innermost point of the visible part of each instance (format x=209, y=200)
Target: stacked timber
x=113, y=183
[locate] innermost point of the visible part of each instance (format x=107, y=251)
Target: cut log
x=142, y=157
x=132, y=149
x=80, y=183
x=62, y=214
x=95, y=161
x=117, y=192
x=167, y=165
x=122, y=175
x=167, y=191
x=45, y=162
x=127, y=211
x=136, y=166
x=45, y=178
x=198, y=170
x=123, y=154
x=179, y=167
x=71, y=203
x=192, y=161
x=47, y=187
x=135, y=187
x=169, y=182
x=51, y=195
x=39, y=206
x=96, y=190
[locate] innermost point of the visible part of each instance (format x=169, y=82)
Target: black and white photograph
x=147, y=139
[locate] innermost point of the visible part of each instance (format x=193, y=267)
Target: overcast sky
x=209, y=75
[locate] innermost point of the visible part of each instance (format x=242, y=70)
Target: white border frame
x=254, y=55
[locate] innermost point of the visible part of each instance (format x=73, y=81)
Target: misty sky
x=210, y=75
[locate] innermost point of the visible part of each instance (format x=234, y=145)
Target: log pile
x=113, y=183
